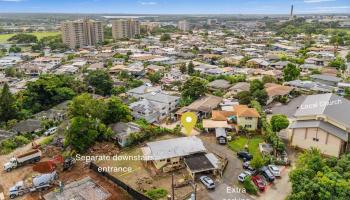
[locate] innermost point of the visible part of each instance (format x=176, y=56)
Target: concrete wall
x=243, y=121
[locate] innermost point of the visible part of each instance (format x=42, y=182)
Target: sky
x=176, y=6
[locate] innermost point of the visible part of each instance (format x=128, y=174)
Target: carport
x=202, y=163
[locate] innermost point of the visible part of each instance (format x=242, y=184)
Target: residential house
x=275, y=91
x=167, y=155
x=326, y=79
x=323, y=122
x=239, y=87
x=148, y=110
x=219, y=84
x=122, y=132
x=202, y=106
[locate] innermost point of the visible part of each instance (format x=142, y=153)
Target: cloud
x=317, y=1
x=148, y=3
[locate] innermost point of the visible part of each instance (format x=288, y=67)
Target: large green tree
x=194, y=88
x=8, y=108
x=117, y=111
x=316, y=177
x=256, y=85
x=279, y=122
x=84, y=132
x=101, y=81
x=85, y=105
x=291, y=72
x=47, y=91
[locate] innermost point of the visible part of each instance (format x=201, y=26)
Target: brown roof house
x=202, y=106
x=241, y=116
x=275, y=91
x=323, y=122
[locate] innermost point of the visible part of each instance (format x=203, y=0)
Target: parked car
x=267, y=174
x=259, y=183
x=244, y=155
x=50, y=131
x=246, y=165
x=242, y=176
x=207, y=182
x=268, y=111
x=274, y=170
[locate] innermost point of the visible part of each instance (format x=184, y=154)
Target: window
x=168, y=160
x=315, y=139
x=249, y=118
x=248, y=126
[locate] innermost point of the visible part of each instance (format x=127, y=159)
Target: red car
x=259, y=183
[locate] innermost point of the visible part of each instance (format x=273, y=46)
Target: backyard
x=39, y=35
x=239, y=142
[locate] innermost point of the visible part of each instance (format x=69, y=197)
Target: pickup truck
x=29, y=157
x=39, y=183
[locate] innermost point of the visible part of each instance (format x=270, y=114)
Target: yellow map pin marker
x=189, y=120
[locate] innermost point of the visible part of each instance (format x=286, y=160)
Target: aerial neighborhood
x=92, y=107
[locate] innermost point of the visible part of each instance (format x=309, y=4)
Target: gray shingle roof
x=340, y=133
x=326, y=77
x=335, y=107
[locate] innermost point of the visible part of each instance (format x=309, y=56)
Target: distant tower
x=291, y=12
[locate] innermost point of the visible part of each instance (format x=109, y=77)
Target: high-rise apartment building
x=125, y=28
x=82, y=33
x=183, y=26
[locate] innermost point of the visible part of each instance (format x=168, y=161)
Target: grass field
x=253, y=144
x=39, y=35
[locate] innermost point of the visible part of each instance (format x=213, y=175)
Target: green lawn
x=253, y=144
x=5, y=37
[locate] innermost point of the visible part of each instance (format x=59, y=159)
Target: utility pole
x=172, y=186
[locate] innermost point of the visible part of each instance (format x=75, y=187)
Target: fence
x=135, y=194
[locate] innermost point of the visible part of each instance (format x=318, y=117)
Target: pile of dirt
x=104, y=148
x=144, y=184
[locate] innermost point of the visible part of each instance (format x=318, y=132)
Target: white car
x=208, y=182
x=242, y=176
x=50, y=131
x=274, y=170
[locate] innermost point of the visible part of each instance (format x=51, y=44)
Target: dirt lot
x=78, y=172
x=142, y=177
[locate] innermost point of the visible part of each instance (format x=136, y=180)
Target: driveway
x=228, y=188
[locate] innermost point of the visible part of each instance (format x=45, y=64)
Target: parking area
x=230, y=188
x=290, y=108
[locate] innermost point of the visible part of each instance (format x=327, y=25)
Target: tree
x=49, y=90
x=338, y=63
x=155, y=77
x=118, y=90
x=190, y=68
x=257, y=162
x=165, y=37
x=101, y=81
x=244, y=97
x=23, y=38
x=256, y=85
x=86, y=106
x=291, y=72
x=348, y=56
x=279, y=122
x=269, y=79
x=84, y=132
x=194, y=88
x=183, y=68
x=117, y=111
x=8, y=108
x=317, y=177
x=15, y=49
x=261, y=96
